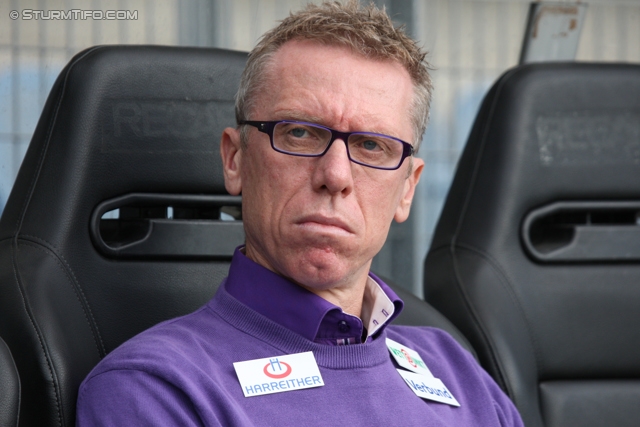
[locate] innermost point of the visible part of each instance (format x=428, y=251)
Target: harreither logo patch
x=278, y=374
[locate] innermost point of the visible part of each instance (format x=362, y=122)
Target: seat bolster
x=56, y=327
x=485, y=292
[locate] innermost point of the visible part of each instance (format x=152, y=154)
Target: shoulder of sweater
x=169, y=341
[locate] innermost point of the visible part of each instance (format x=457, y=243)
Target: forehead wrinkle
x=329, y=108
x=332, y=109
x=297, y=115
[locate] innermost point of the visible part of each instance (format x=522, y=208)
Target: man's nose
x=333, y=171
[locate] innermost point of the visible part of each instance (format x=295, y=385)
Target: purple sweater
x=180, y=373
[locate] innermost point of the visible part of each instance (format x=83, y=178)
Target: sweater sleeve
x=508, y=416
x=131, y=397
x=506, y=411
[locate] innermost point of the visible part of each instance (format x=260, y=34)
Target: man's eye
x=370, y=145
x=298, y=132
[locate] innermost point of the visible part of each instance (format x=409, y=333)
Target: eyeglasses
x=312, y=140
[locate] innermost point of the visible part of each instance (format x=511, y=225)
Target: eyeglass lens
x=367, y=148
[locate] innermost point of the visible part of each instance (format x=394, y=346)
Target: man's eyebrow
x=298, y=116
x=302, y=117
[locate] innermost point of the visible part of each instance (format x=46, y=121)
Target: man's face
x=319, y=221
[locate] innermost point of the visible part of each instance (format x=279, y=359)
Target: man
x=330, y=110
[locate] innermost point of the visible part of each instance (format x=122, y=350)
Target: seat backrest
x=9, y=388
x=129, y=127
x=536, y=256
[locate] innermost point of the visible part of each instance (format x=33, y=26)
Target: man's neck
x=347, y=294
x=348, y=298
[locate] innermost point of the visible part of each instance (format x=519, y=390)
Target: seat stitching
x=37, y=331
x=43, y=152
x=475, y=318
x=506, y=282
x=84, y=303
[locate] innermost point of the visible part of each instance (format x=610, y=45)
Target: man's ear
x=231, y=153
x=402, y=211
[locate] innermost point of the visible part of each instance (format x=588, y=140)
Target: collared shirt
x=304, y=312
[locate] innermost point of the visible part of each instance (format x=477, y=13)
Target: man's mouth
x=325, y=224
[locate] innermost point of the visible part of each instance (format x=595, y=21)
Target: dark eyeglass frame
x=268, y=127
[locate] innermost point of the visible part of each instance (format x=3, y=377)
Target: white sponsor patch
x=428, y=387
x=278, y=374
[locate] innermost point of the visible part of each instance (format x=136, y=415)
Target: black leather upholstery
x=536, y=257
x=120, y=120
x=134, y=128
x=9, y=388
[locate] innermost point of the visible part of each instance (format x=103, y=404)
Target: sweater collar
x=304, y=312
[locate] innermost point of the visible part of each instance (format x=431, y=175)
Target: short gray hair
x=367, y=30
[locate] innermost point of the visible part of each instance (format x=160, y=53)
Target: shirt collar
x=304, y=312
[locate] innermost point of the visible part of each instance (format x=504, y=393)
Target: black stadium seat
x=114, y=222
x=129, y=127
x=536, y=257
